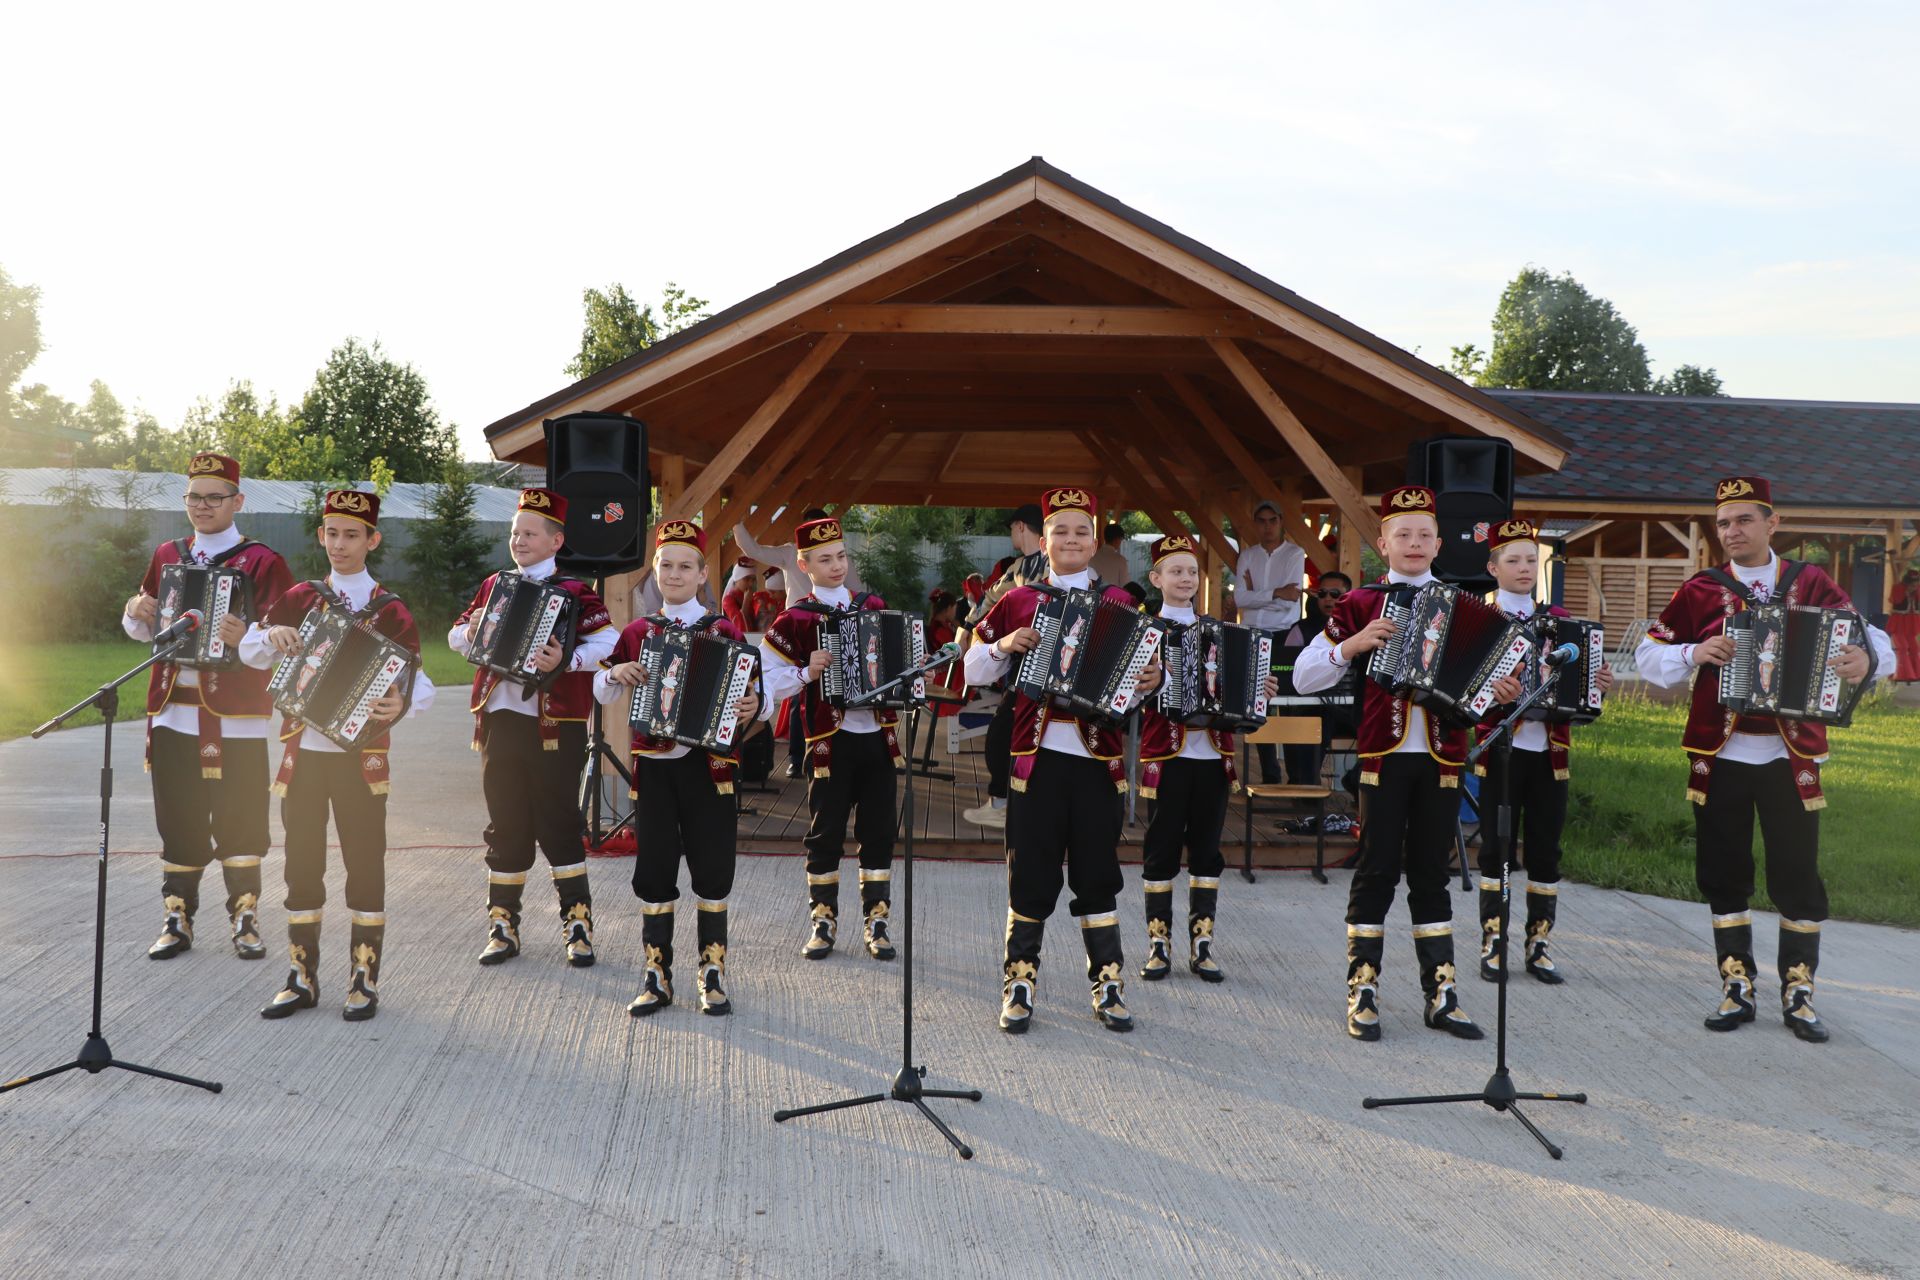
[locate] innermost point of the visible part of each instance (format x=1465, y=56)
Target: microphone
x=1563, y=655
x=186, y=624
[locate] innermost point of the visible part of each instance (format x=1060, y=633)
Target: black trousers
x=860, y=783
x=203, y=818
x=1189, y=813
x=331, y=780
x=1071, y=812
x=532, y=794
x=681, y=814
x=1408, y=829
x=1538, y=806
x=999, y=747
x=1723, y=841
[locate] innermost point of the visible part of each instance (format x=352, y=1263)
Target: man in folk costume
x=1409, y=779
x=1066, y=786
x=207, y=730
x=533, y=743
x=1188, y=774
x=317, y=776
x=851, y=755
x=1541, y=766
x=1743, y=766
x=684, y=796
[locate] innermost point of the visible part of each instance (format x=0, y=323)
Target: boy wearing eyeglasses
x=207, y=729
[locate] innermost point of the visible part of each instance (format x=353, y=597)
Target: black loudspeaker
x=598, y=463
x=1473, y=477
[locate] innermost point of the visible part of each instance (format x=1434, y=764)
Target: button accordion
x=1091, y=653
x=1216, y=675
x=517, y=619
x=865, y=649
x=343, y=666
x=1779, y=666
x=693, y=681
x=216, y=592
x=1447, y=650
x=1575, y=697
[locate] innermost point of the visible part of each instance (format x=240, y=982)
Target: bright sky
x=209, y=192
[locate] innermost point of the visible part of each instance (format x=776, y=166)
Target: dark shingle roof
x=1672, y=448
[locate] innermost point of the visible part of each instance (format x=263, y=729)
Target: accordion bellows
x=1216, y=675
x=1091, y=653
x=1779, y=666
x=866, y=648
x=343, y=666
x=1448, y=648
x=694, y=680
x=517, y=619
x=216, y=592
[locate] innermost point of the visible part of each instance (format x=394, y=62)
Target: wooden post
x=1352, y=539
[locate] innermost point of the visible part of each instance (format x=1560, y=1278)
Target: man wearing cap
x=1745, y=766
x=533, y=744
x=317, y=777
x=851, y=754
x=1024, y=527
x=1409, y=781
x=1067, y=782
x=207, y=729
x=1266, y=592
x=1542, y=762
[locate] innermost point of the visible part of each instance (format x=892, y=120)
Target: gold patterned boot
x=876, y=904
x=303, y=955
x=1543, y=901
x=1108, y=989
x=1733, y=945
x=1203, y=898
x=1366, y=947
x=710, y=931
x=823, y=914
x=656, y=936
x=1020, y=974
x=1489, y=929
x=1159, y=899
x=1799, y=958
x=1433, y=945
x=180, y=894
x=503, y=937
x=578, y=930
x=246, y=929
x=363, y=978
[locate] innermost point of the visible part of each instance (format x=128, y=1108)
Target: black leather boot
x=1203, y=897
x=1159, y=961
x=1366, y=947
x=1799, y=959
x=1433, y=944
x=303, y=955
x=1101, y=933
x=656, y=935
x=712, y=936
x=1020, y=973
x=363, y=977
x=1733, y=947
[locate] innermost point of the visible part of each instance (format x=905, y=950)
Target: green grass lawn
x=38, y=681
x=1630, y=825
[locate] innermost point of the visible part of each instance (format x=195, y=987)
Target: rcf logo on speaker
x=612, y=513
x=1481, y=531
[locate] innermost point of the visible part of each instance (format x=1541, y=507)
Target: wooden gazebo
x=1034, y=331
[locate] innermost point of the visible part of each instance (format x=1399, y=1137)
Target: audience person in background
x=1110, y=562
x=1266, y=592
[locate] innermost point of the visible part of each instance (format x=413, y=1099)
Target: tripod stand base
x=96, y=1057
x=1499, y=1094
x=906, y=1087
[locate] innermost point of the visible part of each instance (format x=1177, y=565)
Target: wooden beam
x=979, y=318
x=1225, y=439
x=1352, y=543
x=756, y=427
x=753, y=489
x=1302, y=531
x=946, y=460
x=1353, y=507
x=1591, y=527
x=1674, y=531
x=1159, y=420
x=1204, y=512
x=1144, y=494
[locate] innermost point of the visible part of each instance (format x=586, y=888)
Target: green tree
x=618, y=327
x=449, y=555
x=1551, y=334
x=366, y=406
x=269, y=442
x=1689, y=380
x=895, y=566
x=19, y=335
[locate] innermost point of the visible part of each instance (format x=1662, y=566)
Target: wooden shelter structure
x=1029, y=332
x=1633, y=503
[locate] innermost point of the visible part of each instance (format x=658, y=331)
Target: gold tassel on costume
x=279, y=789
x=721, y=788
x=213, y=774
x=380, y=788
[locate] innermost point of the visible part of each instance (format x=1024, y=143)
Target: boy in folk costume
x=1188, y=773
x=1409, y=775
x=1743, y=766
x=1066, y=785
x=316, y=775
x=684, y=797
x=851, y=755
x=1541, y=758
x=207, y=730
x=533, y=744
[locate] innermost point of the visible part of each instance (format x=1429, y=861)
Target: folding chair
x=1284, y=731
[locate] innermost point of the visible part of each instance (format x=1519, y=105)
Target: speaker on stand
x=598, y=463
x=1473, y=478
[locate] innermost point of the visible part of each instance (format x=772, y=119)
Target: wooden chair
x=1284, y=731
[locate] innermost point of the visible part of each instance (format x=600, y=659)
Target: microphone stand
x=95, y=1055
x=591, y=778
x=906, y=1086
x=1499, y=1091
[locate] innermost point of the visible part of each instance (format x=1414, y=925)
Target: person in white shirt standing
x=1747, y=766
x=1267, y=581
